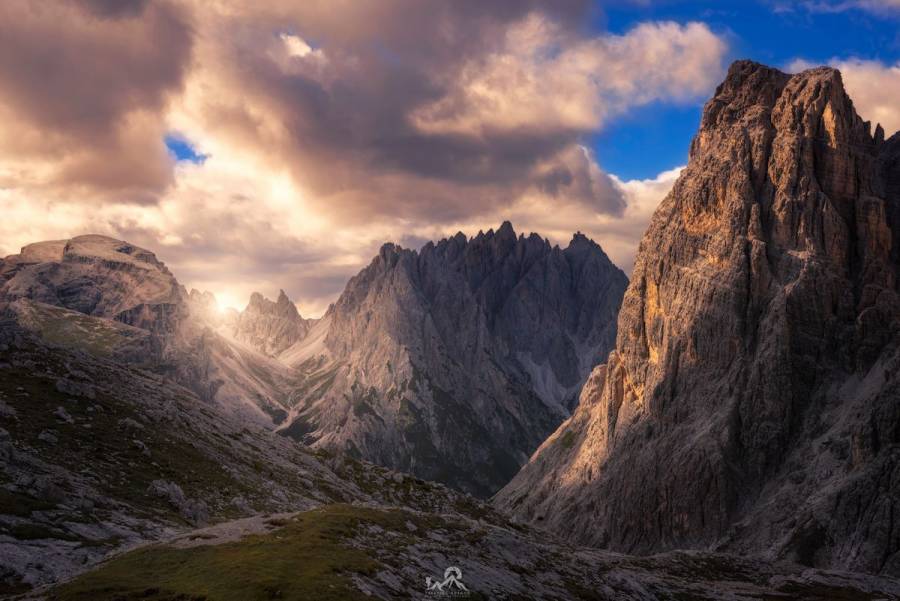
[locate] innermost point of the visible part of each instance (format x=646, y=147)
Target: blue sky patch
x=183, y=150
x=654, y=138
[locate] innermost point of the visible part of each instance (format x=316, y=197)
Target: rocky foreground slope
x=455, y=362
x=118, y=484
x=752, y=403
x=97, y=457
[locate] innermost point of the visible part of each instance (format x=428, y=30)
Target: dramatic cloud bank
x=328, y=127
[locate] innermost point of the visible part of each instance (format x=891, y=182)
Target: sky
x=277, y=145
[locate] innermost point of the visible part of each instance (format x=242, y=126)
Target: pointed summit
x=579, y=239
x=285, y=307
x=270, y=327
x=506, y=231
x=257, y=301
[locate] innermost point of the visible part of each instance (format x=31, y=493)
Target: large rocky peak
x=547, y=304
x=270, y=327
x=752, y=402
x=456, y=361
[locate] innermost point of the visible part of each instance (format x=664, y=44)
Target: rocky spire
x=752, y=394
x=270, y=327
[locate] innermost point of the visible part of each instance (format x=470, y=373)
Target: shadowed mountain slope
x=455, y=362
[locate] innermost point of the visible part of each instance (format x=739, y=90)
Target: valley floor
x=346, y=551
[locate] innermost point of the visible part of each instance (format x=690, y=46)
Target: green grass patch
x=71, y=329
x=308, y=558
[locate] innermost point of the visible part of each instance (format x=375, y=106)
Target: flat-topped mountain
x=98, y=276
x=752, y=402
x=455, y=362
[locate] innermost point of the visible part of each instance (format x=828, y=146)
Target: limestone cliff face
x=455, y=362
x=752, y=403
x=270, y=327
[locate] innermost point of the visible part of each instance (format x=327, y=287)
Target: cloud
x=327, y=127
x=872, y=85
x=537, y=81
x=226, y=225
x=880, y=7
x=463, y=111
x=83, y=86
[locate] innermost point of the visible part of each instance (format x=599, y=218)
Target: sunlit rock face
x=456, y=361
x=271, y=327
x=204, y=306
x=752, y=403
x=97, y=276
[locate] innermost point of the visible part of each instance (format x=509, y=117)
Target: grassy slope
x=98, y=468
x=307, y=558
x=71, y=329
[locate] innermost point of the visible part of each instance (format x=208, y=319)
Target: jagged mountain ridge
x=510, y=325
x=455, y=362
x=752, y=402
x=271, y=327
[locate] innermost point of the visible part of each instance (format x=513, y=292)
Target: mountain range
x=519, y=415
x=452, y=363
